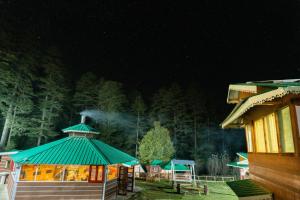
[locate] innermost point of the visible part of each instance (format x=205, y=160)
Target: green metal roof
x=178, y=167
x=156, y=162
x=167, y=165
x=247, y=188
x=80, y=128
x=131, y=163
x=237, y=165
x=243, y=155
x=73, y=151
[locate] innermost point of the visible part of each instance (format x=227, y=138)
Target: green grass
x=163, y=191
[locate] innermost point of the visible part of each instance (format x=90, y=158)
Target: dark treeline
x=39, y=97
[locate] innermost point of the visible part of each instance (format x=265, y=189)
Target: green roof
x=80, y=128
x=73, y=151
x=178, y=167
x=247, y=188
x=243, y=155
x=156, y=162
x=237, y=165
x=131, y=163
x=167, y=165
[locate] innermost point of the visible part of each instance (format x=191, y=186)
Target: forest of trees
x=38, y=99
x=39, y=96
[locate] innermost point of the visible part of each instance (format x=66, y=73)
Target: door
x=130, y=183
x=122, y=180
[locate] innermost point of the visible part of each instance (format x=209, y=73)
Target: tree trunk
x=42, y=125
x=5, y=128
x=12, y=125
x=137, y=134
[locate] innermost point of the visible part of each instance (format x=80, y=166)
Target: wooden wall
x=278, y=173
x=64, y=190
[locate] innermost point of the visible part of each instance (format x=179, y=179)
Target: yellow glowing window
x=112, y=172
x=27, y=173
x=49, y=173
x=286, y=132
x=271, y=133
x=259, y=135
x=96, y=174
x=249, y=138
x=76, y=173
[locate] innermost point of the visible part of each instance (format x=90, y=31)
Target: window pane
x=271, y=133
x=93, y=173
x=27, y=173
x=249, y=138
x=76, y=173
x=259, y=135
x=100, y=173
x=112, y=172
x=286, y=132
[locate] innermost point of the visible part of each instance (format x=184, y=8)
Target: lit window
x=249, y=138
x=271, y=133
x=112, y=172
x=96, y=174
x=27, y=173
x=49, y=173
x=76, y=173
x=286, y=132
x=259, y=135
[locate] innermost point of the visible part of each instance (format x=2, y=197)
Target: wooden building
x=6, y=164
x=269, y=111
x=75, y=167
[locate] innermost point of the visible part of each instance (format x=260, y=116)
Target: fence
x=214, y=178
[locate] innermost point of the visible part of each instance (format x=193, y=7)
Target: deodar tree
x=16, y=94
x=51, y=94
x=156, y=144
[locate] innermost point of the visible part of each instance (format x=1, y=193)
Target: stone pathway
x=3, y=192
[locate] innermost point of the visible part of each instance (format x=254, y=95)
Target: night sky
x=146, y=43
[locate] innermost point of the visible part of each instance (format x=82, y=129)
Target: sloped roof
x=238, y=165
x=243, y=155
x=73, y=151
x=248, y=188
x=80, y=128
x=178, y=167
x=234, y=117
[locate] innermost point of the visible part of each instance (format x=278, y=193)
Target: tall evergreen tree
x=16, y=90
x=139, y=109
x=51, y=94
x=85, y=96
x=111, y=101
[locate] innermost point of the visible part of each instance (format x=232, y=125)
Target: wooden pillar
x=104, y=182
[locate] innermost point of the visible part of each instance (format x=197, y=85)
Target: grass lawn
x=163, y=191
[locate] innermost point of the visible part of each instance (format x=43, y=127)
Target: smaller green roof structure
x=243, y=164
x=80, y=128
x=178, y=167
x=167, y=165
x=249, y=188
x=243, y=155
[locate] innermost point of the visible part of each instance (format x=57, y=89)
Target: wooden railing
x=214, y=178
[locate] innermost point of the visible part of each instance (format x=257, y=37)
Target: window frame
x=96, y=175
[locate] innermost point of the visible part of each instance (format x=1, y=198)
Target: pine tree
x=111, y=101
x=156, y=144
x=139, y=109
x=51, y=94
x=85, y=96
x=16, y=91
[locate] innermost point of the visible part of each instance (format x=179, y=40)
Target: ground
x=3, y=192
x=163, y=191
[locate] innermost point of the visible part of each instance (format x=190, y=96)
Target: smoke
x=114, y=118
